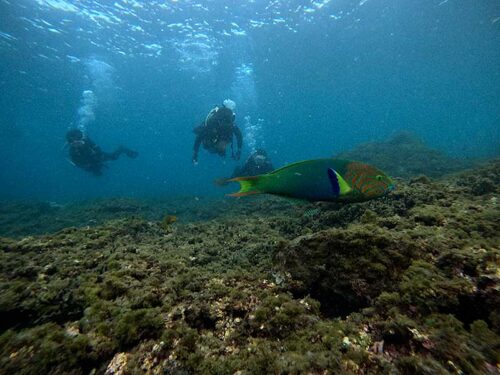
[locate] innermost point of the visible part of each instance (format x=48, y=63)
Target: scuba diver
x=256, y=164
x=85, y=154
x=217, y=131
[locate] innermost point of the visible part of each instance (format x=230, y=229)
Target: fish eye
x=379, y=177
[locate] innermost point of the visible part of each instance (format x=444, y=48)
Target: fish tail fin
x=248, y=186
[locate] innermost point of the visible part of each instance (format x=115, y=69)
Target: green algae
x=404, y=284
x=345, y=268
x=44, y=349
x=429, y=290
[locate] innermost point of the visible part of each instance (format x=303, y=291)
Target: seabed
x=406, y=284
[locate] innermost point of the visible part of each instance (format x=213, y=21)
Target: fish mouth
x=391, y=187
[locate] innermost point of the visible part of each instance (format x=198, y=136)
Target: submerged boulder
x=405, y=155
x=346, y=268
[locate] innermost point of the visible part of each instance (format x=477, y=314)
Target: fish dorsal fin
x=339, y=185
x=291, y=165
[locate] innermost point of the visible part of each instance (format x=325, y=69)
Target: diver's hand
x=195, y=160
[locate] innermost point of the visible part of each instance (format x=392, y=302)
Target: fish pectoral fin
x=339, y=185
x=334, y=182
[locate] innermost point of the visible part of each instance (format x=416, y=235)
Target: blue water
x=315, y=77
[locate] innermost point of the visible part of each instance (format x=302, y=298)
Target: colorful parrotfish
x=319, y=180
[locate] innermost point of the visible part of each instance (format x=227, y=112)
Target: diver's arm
x=239, y=140
x=106, y=156
x=98, y=154
x=196, y=147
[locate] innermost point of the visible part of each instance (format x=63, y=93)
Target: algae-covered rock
x=428, y=289
x=482, y=180
x=45, y=349
x=346, y=268
x=404, y=284
x=405, y=155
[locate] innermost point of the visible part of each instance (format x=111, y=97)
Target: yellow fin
x=344, y=186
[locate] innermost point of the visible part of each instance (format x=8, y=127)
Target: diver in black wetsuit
x=217, y=131
x=85, y=154
x=256, y=164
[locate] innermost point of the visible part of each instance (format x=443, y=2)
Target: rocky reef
x=21, y=218
x=406, y=155
x=404, y=284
